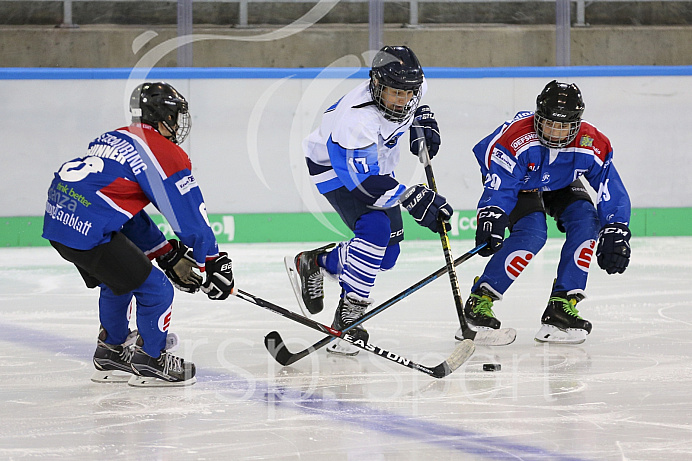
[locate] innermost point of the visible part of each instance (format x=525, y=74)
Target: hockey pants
x=529, y=235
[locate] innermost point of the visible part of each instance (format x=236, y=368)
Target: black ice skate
x=561, y=322
x=165, y=370
x=307, y=279
x=350, y=308
x=479, y=309
x=112, y=361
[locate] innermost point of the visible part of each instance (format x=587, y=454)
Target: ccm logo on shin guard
x=583, y=255
x=516, y=262
x=165, y=319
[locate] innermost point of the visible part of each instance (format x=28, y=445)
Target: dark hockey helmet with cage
x=152, y=103
x=398, y=68
x=559, y=102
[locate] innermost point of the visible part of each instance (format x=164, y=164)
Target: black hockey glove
x=490, y=229
x=428, y=208
x=613, y=252
x=178, y=265
x=424, y=127
x=219, y=283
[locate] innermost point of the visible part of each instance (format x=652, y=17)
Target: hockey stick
x=498, y=337
x=285, y=357
x=467, y=332
x=461, y=353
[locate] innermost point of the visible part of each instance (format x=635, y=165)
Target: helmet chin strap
x=171, y=132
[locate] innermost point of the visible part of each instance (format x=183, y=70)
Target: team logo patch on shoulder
x=185, y=184
x=586, y=141
x=503, y=160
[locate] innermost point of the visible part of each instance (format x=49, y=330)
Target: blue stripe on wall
x=162, y=73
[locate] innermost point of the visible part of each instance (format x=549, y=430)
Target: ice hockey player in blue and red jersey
x=532, y=167
x=95, y=219
x=351, y=158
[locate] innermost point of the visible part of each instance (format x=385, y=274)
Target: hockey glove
x=424, y=127
x=613, y=251
x=178, y=265
x=490, y=229
x=428, y=208
x=219, y=283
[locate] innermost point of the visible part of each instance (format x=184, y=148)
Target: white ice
x=625, y=394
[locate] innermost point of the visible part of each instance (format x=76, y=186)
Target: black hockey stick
x=461, y=353
x=424, y=157
x=492, y=337
x=285, y=357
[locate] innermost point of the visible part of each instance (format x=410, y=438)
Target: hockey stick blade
x=461, y=354
x=276, y=347
x=438, y=372
x=490, y=337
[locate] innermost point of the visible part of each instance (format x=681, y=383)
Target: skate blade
x=340, y=347
x=147, y=381
x=289, y=262
x=490, y=337
x=554, y=335
x=110, y=376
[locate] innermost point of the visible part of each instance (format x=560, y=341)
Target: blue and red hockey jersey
x=513, y=159
x=106, y=190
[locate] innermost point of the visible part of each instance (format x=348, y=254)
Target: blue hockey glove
x=613, y=251
x=490, y=229
x=178, y=265
x=424, y=127
x=428, y=208
x=219, y=283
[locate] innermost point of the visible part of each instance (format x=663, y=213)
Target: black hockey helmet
x=152, y=103
x=559, y=102
x=398, y=68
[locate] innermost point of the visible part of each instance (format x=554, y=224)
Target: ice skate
x=561, y=323
x=307, y=279
x=479, y=311
x=164, y=371
x=112, y=361
x=350, y=308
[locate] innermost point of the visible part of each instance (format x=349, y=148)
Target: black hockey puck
x=492, y=367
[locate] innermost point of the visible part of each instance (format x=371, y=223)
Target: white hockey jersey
x=357, y=148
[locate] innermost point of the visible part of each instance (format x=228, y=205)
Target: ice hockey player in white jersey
x=532, y=166
x=351, y=159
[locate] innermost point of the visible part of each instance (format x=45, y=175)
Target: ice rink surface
x=624, y=394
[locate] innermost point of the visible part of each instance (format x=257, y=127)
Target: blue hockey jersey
x=106, y=190
x=513, y=159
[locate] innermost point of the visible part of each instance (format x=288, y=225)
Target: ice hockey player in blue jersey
x=95, y=219
x=532, y=167
x=351, y=158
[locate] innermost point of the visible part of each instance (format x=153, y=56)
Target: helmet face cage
x=154, y=103
x=559, y=107
x=184, y=125
x=396, y=76
x=392, y=112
